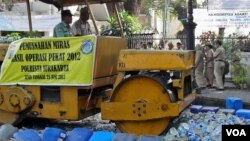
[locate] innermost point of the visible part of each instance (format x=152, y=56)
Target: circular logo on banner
x=86, y=47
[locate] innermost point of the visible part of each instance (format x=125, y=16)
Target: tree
x=8, y=4
x=177, y=8
x=133, y=6
x=111, y=10
x=129, y=22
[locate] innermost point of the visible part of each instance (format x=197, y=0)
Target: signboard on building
x=222, y=18
x=228, y=4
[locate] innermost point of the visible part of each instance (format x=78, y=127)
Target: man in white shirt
x=179, y=46
x=81, y=27
x=219, y=65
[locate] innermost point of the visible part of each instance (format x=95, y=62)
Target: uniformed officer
x=199, y=66
x=63, y=29
x=209, y=65
x=219, y=65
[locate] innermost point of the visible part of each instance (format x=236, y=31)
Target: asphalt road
x=213, y=97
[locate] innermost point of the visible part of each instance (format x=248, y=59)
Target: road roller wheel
x=8, y=117
x=142, y=89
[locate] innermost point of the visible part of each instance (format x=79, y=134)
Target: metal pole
x=92, y=17
x=190, y=27
x=164, y=19
x=29, y=17
x=118, y=19
x=168, y=18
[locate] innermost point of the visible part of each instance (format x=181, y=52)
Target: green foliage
x=36, y=34
x=239, y=73
x=130, y=24
x=228, y=45
x=10, y=37
x=242, y=42
x=233, y=45
x=232, y=51
x=16, y=36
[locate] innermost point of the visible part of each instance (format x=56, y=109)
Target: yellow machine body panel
x=107, y=53
x=150, y=110
x=155, y=60
x=106, y=58
x=66, y=108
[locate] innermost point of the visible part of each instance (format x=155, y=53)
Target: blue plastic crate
x=79, y=134
x=53, y=134
x=195, y=109
x=102, y=136
x=124, y=137
x=150, y=138
x=27, y=135
x=234, y=103
x=245, y=113
x=209, y=109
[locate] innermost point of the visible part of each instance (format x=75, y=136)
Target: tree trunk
x=111, y=9
x=132, y=7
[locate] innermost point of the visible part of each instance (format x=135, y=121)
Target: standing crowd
x=210, y=65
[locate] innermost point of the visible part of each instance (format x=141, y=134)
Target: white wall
x=36, y=7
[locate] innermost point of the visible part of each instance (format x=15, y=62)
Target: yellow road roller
x=76, y=77
x=151, y=88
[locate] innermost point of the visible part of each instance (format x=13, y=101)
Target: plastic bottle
x=6, y=131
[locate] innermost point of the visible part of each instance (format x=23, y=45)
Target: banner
x=50, y=61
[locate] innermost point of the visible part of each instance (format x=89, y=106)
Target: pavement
x=213, y=97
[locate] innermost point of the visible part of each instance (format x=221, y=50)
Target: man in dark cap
x=63, y=29
x=81, y=27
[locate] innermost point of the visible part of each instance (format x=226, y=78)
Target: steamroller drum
x=142, y=88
